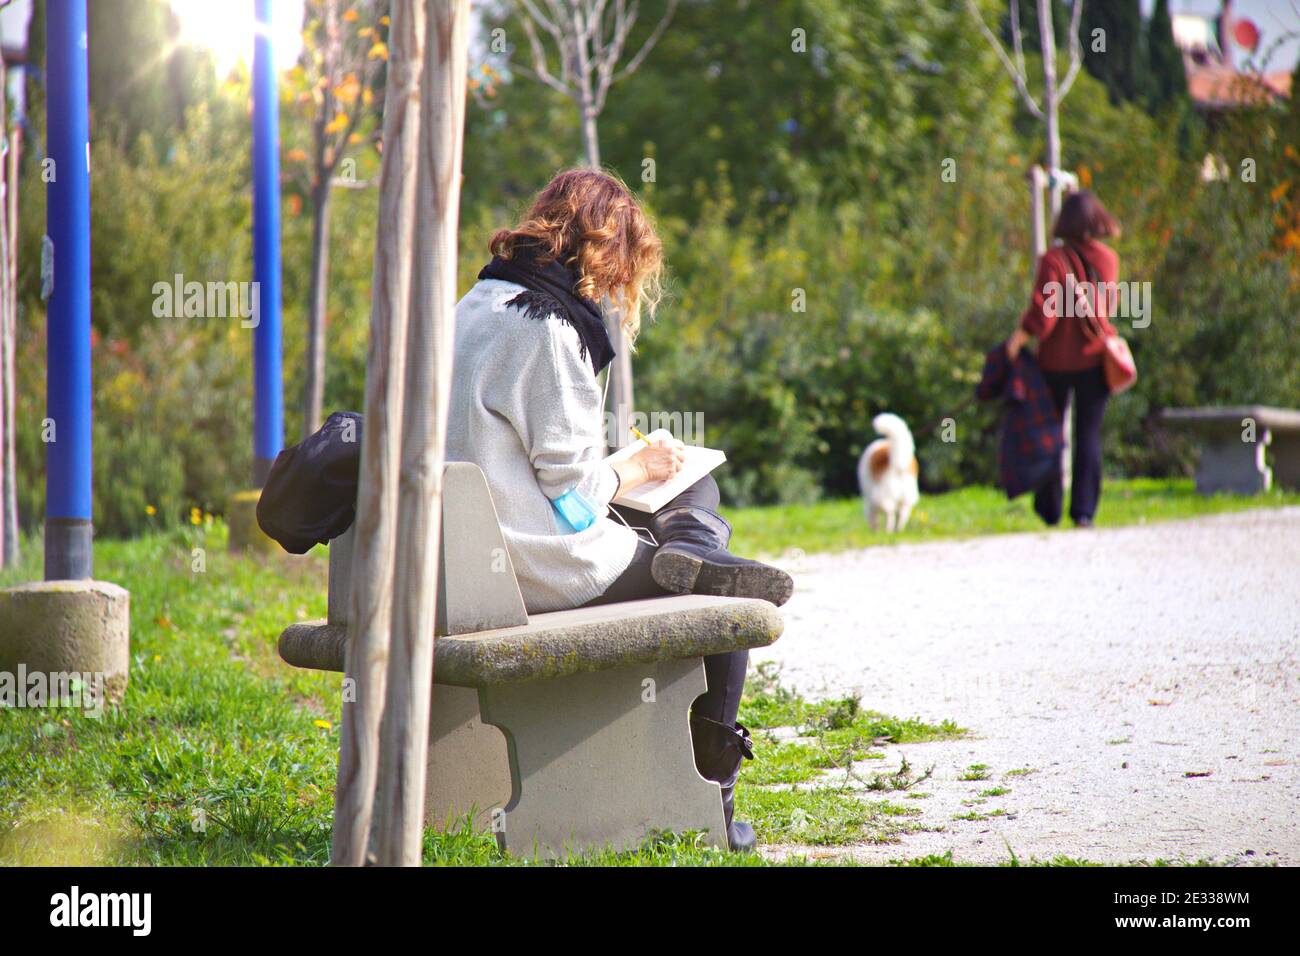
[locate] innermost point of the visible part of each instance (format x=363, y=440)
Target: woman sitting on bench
x=527, y=408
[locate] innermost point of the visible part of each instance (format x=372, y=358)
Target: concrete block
x=245, y=533
x=469, y=767
x=67, y=627
x=1286, y=459
x=603, y=760
x=1229, y=464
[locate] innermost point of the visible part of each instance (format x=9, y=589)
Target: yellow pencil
x=637, y=432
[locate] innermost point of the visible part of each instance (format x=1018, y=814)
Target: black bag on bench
x=310, y=495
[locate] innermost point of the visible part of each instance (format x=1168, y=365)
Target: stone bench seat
x=562, y=643
x=561, y=732
x=1233, y=440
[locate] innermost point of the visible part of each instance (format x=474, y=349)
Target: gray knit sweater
x=526, y=408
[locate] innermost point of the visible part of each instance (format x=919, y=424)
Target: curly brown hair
x=588, y=219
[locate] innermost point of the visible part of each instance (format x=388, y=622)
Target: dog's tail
x=902, y=449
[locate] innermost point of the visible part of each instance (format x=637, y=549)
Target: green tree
x=172, y=402
x=1028, y=12
x=337, y=78
x=1167, y=79
x=802, y=100
x=1113, y=48
x=142, y=80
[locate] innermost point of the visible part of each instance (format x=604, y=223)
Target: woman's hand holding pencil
x=658, y=461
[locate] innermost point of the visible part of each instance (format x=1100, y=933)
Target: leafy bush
x=172, y=416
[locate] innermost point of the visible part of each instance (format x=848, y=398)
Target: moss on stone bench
x=563, y=643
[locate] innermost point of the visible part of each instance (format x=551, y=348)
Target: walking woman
x=1071, y=344
x=527, y=408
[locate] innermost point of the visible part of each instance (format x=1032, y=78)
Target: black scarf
x=551, y=289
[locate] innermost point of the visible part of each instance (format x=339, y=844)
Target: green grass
x=976, y=816
x=839, y=525
x=832, y=736
x=215, y=758
x=768, y=704
x=224, y=755
x=822, y=817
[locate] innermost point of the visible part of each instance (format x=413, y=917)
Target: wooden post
x=8, y=452
x=370, y=616
x=6, y=277
x=399, y=821
x=1037, y=186
x=1047, y=43
x=619, y=408
x=1040, y=181
x=385, y=726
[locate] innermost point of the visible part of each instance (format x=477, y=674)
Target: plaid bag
x=1029, y=448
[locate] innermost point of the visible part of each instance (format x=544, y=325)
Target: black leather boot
x=719, y=752
x=693, y=559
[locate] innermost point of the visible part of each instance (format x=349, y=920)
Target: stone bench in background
x=562, y=732
x=1229, y=461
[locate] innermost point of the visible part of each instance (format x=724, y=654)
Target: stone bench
x=561, y=732
x=1230, y=461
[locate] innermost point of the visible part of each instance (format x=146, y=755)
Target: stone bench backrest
x=1229, y=418
x=477, y=588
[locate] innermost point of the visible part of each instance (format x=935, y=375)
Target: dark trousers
x=725, y=673
x=1090, y=396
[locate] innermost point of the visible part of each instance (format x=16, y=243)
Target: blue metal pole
x=68, y=528
x=268, y=398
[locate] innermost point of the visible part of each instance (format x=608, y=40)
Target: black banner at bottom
x=335, y=906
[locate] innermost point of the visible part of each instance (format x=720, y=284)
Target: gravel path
x=1149, y=676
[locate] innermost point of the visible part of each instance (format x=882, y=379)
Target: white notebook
x=653, y=495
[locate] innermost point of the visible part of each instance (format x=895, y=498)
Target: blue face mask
x=574, y=512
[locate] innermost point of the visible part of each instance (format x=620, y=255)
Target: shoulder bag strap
x=1091, y=323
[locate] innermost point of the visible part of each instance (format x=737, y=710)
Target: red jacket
x=1064, y=345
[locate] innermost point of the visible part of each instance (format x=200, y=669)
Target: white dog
x=887, y=474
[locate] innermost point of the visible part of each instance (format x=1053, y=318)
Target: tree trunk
x=619, y=401
x=586, y=99
x=371, y=604
x=9, y=453
x=6, y=305
x=313, y=397
x=619, y=407
x=1051, y=119
x=590, y=138
x=1037, y=188
x=1047, y=36
x=399, y=803
x=5, y=343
